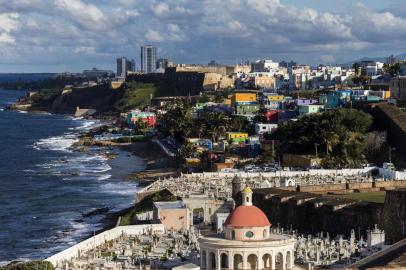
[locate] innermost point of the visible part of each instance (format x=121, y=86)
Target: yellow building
x=227, y=102
x=237, y=136
x=276, y=97
x=243, y=98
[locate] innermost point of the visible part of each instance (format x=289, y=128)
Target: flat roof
x=170, y=205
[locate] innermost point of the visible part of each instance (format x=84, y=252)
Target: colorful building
x=243, y=99
x=174, y=215
x=237, y=136
x=309, y=109
x=248, y=109
x=147, y=117
x=306, y=101
x=271, y=116
x=336, y=99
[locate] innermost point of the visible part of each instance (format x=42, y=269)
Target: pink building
x=174, y=215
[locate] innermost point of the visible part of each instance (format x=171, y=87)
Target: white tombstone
x=376, y=238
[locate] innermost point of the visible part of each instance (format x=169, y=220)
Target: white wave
x=22, y=111
x=125, y=189
x=104, y=177
x=1, y=109
x=57, y=143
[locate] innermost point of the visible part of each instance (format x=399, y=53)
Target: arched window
x=247, y=199
x=265, y=231
x=233, y=234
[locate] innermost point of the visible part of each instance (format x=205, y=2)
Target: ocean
x=45, y=186
x=24, y=77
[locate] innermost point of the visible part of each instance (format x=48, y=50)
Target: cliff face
x=100, y=98
x=395, y=215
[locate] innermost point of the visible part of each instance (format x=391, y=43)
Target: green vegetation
x=180, y=123
x=33, y=265
x=376, y=197
x=130, y=139
x=136, y=95
x=339, y=135
x=45, y=97
x=146, y=205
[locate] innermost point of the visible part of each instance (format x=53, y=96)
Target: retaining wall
x=92, y=242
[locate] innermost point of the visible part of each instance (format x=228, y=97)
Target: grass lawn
x=137, y=95
x=376, y=197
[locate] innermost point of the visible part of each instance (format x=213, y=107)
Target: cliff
x=101, y=98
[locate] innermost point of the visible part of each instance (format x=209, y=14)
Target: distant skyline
x=72, y=35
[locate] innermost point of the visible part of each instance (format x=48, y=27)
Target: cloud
x=84, y=31
x=85, y=50
x=9, y=22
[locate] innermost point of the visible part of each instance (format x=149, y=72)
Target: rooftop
x=170, y=205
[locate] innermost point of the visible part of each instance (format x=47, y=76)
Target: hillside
x=102, y=98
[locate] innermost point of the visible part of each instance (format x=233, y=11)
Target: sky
x=72, y=35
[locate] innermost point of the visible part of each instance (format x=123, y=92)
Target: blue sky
x=72, y=35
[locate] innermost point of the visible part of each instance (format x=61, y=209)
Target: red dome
x=247, y=216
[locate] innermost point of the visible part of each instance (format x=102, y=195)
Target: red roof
x=247, y=216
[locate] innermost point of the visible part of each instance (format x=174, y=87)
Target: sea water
x=46, y=186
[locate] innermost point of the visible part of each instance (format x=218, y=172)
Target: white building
x=261, y=128
x=247, y=242
x=148, y=59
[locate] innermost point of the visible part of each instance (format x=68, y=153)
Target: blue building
x=336, y=99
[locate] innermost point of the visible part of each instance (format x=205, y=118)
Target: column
x=208, y=266
x=230, y=260
x=284, y=260
x=292, y=259
x=260, y=263
x=273, y=261
x=218, y=260
x=244, y=261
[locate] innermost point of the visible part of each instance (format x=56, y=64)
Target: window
x=232, y=234
x=249, y=234
x=247, y=199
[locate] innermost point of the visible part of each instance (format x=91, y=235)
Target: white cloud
x=194, y=31
x=85, y=50
x=161, y=9
x=9, y=22
x=153, y=36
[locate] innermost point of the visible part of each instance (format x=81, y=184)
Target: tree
x=340, y=132
x=393, y=70
x=357, y=69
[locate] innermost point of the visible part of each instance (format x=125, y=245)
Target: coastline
x=155, y=164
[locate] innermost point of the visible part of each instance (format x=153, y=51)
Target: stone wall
x=312, y=213
x=395, y=215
